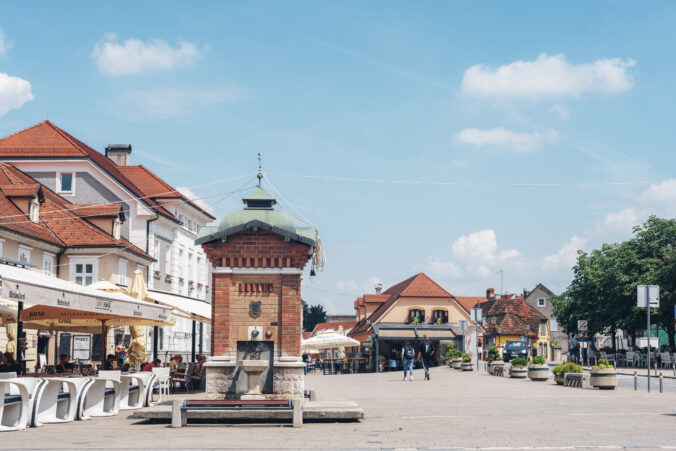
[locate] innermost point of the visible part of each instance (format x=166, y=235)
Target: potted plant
x=561, y=370
x=454, y=357
x=467, y=362
x=167, y=277
x=157, y=273
x=494, y=359
x=518, y=369
x=538, y=369
x=556, y=351
x=603, y=375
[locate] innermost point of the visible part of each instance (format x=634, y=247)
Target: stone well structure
x=258, y=256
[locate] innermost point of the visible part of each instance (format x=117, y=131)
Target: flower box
x=538, y=372
x=604, y=379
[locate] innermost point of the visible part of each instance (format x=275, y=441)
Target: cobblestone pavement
x=458, y=410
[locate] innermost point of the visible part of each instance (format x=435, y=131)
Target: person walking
x=407, y=357
x=426, y=354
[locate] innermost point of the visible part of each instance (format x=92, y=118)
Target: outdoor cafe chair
x=101, y=397
x=163, y=383
x=631, y=359
x=57, y=401
x=184, y=379
x=14, y=403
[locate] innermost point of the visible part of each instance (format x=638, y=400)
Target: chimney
x=379, y=287
x=490, y=293
x=119, y=153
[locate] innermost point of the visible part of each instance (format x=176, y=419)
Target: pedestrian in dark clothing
x=426, y=354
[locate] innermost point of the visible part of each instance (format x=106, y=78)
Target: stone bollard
x=635, y=381
x=661, y=381
x=179, y=417
x=297, y=412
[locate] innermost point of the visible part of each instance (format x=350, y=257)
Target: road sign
x=476, y=314
x=582, y=325
x=648, y=294
x=462, y=324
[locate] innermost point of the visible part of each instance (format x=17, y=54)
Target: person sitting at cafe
x=175, y=363
x=110, y=363
x=64, y=366
x=9, y=365
x=154, y=364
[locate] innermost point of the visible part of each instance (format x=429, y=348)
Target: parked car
x=514, y=349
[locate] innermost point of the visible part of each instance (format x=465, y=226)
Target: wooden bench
x=180, y=408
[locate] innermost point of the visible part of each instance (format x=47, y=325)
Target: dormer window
x=440, y=317
x=416, y=313
x=65, y=182
x=34, y=212
x=117, y=226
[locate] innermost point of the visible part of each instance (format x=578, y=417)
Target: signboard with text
x=582, y=325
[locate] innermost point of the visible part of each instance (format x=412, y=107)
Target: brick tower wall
x=279, y=293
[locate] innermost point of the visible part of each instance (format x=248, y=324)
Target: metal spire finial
x=260, y=170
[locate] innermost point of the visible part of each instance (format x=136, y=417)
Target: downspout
x=156, y=332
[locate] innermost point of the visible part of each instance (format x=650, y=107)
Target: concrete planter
x=538, y=372
x=467, y=366
x=494, y=364
x=518, y=373
x=605, y=379
x=559, y=380
x=456, y=364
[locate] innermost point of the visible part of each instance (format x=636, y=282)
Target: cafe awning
x=399, y=331
x=50, y=301
x=185, y=307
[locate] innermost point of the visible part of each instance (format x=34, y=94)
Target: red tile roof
x=512, y=316
x=156, y=188
x=26, y=190
x=375, y=298
x=58, y=224
x=92, y=211
x=46, y=140
x=419, y=285
x=347, y=325
x=469, y=302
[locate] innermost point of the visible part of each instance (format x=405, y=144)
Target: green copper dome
x=258, y=214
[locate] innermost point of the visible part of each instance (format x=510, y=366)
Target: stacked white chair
x=57, y=401
x=132, y=390
x=14, y=403
x=101, y=397
x=163, y=384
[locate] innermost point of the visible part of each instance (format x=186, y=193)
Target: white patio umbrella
x=328, y=340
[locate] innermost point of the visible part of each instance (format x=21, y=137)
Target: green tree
x=312, y=315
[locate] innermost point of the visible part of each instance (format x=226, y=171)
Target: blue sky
x=495, y=93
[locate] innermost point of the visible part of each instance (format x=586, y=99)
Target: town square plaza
x=454, y=410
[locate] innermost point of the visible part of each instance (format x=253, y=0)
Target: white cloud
x=437, y=268
x=163, y=103
x=4, y=44
x=14, y=92
x=566, y=257
x=504, y=139
x=562, y=111
x=134, y=56
x=481, y=246
x=548, y=76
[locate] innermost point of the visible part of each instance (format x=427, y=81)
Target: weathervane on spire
x=260, y=170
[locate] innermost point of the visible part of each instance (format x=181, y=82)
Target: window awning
x=37, y=289
x=186, y=307
x=396, y=331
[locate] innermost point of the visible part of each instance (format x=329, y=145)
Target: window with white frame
x=168, y=260
x=181, y=263
x=83, y=271
x=122, y=271
x=2, y=245
x=190, y=275
x=65, y=182
x=35, y=210
x=156, y=254
x=25, y=253
x=541, y=302
x=48, y=263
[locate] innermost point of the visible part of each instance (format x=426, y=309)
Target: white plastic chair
x=163, y=384
x=132, y=391
x=14, y=404
x=101, y=397
x=149, y=379
x=57, y=401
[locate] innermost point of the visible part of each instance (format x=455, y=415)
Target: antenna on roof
x=260, y=170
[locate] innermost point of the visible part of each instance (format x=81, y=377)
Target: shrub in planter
x=603, y=376
x=561, y=370
x=467, y=362
x=518, y=369
x=454, y=357
x=538, y=369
